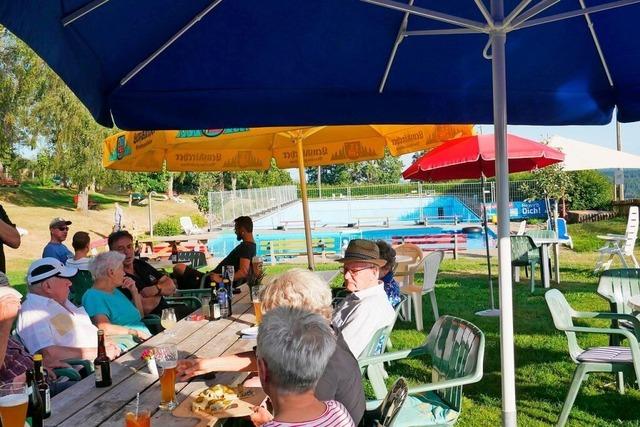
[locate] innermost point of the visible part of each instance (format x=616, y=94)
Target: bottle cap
x=100, y=332
x=37, y=357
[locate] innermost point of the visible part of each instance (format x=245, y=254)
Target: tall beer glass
x=167, y=358
x=13, y=404
x=257, y=303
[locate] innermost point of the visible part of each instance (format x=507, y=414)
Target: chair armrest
x=601, y=315
x=70, y=373
x=633, y=340
x=611, y=237
x=395, y=355
x=468, y=379
x=179, y=299
x=151, y=319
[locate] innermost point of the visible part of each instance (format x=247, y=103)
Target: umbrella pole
x=492, y=312
x=305, y=203
x=498, y=72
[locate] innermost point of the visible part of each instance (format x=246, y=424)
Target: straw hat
x=362, y=250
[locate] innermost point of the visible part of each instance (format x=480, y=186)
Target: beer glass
x=257, y=304
x=230, y=272
x=167, y=359
x=13, y=404
x=136, y=418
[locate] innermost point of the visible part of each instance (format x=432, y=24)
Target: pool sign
x=522, y=210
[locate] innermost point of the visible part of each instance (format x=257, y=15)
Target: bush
x=591, y=190
x=171, y=226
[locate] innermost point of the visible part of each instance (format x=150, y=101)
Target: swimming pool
x=390, y=211
x=336, y=239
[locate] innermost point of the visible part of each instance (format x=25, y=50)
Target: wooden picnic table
x=85, y=405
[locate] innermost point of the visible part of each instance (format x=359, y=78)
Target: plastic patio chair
x=596, y=359
x=431, y=265
x=524, y=253
x=563, y=233
x=617, y=286
x=386, y=413
x=522, y=228
x=187, y=225
x=620, y=245
x=196, y=259
x=456, y=350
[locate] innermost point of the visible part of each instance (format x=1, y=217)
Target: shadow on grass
x=61, y=198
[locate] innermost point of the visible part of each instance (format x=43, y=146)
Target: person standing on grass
x=58, y=229
x=8, y=236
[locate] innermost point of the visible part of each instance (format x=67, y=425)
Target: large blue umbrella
x=167, y=64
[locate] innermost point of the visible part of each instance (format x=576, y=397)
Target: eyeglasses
x=346, y=269
x=63, y=228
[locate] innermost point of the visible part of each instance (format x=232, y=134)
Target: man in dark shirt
x=152, y=284
x=8, y=236
x=239, y=258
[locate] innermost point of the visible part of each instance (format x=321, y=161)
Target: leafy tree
x=591, y=190
x=552, y=182
x=387, y=170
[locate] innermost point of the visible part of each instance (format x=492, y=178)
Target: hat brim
x=376, y=262
x=68, y=272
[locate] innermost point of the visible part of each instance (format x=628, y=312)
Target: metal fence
x=225, y=206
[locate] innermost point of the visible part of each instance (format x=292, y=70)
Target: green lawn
x=46, y=197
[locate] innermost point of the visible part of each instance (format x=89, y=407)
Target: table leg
x=544, y=261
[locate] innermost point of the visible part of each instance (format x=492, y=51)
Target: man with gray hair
x=294, y=347
x=49, y=323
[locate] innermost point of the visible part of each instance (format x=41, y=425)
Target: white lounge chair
x=522, y=228
x=188, y=227
x=620, y=245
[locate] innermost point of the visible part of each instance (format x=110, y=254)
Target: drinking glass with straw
x=139, y=418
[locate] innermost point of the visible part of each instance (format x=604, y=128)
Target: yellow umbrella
x=238, y=149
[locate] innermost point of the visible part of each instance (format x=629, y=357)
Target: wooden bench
x=295, y=247
x=435, y=242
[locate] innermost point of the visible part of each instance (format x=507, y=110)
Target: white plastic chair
x=620, y=245
x=188, y=227
x=431, y=265
x=522, y=228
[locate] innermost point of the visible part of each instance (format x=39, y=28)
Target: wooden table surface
x=85, y=405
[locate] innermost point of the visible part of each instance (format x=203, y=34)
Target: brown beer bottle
x=36, y=405
x=43, y=387
x=102, y=364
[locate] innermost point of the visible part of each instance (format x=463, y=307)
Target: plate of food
x=220, y=401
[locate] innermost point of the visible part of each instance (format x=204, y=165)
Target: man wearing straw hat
x=367, y=308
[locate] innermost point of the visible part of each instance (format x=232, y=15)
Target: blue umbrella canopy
x=319, y=62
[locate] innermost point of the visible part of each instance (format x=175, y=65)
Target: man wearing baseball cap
x=49, y=323
x=367, y=308
x=58, y=229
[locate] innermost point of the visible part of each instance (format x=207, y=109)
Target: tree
x=552, y=182
x=387, y=170
x=591, y=190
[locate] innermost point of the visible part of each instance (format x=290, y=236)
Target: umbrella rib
x=431, y=14
x=485, y=12
x=533, y=11
x=450, y=31
x=596, y=42
x=84, y=10
x=401, y=34
x=574, y=13
x=515, y=12
x=169, y=42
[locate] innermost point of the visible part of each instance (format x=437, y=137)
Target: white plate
x=250, y=331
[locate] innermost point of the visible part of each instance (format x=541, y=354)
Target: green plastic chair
x=524, y=253
x=614, y=359
x=456, y=349
x=80, y=283
x=616, y=286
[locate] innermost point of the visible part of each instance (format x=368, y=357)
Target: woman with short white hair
x=109, y=309
x=302, y=289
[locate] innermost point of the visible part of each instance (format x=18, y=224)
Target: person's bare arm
x=102, y=322
x=129, y=284
x=9, y=306
x=9, y=235
x=57, y=352
x=241, y=362
x=243, y=269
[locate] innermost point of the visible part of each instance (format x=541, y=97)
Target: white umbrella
x=583, y=156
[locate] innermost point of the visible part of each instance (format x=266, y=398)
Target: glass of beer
x=13, y=404
x=168, y=321
x=167, y=359
x=257, y=304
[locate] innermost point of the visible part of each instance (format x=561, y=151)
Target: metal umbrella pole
x=493, y=311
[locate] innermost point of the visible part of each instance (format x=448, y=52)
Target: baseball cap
x=45, y=268
x=55, y=222
x=363, y=250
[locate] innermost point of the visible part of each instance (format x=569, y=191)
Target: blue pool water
x=397, y=211
x=227, y=241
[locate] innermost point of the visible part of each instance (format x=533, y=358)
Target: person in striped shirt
x=294, y=347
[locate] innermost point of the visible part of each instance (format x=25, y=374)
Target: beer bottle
x=212, y=302
x=102, y=364
x=226, y=283
x=43, y=387
x=36, y=405
x=174, y=253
